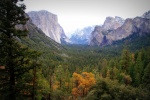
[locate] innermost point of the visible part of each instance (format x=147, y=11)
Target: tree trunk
x=50, y=85
x=12, y=95
x=34, y=82
x=10, y=65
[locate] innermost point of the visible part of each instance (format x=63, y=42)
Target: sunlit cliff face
x=48, y=23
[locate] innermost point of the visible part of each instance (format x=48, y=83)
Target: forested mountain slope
x=34, y=67
x=36, y=38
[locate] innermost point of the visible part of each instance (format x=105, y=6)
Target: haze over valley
x=74, y=50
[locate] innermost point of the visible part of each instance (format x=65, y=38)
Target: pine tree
x=125, y=60
x=138, y=69
x=16, y=58
x=146, y=77
x=15, y=66
x=59, y=75
x=104, y=68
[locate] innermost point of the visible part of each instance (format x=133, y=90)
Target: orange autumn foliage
x=2, y=67
x=82, y=83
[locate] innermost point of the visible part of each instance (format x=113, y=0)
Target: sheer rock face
x=48, y=23
x=146, y=15
x=112, y=23
x=99, y=35
x=137, y=25
x=117, y=30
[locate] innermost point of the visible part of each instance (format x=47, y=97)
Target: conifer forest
x=35, y=67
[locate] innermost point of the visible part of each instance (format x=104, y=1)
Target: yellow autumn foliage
x=82, y=83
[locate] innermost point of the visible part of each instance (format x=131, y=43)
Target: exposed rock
x=48, y=23
x=112, y=23
x=121, y=32
x=64, y=39
x=114, y=30
x=137, y=25
x=146, y=15
x=38, y=38
x=141, y=25
x=99, y=35
x=82, y=36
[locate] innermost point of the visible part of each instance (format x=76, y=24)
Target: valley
x=103, y=62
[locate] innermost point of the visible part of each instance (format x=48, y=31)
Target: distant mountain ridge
x=82, y=36
x=48, y=23
x=114, y=30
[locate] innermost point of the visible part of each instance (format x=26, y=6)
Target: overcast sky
x=74, y=14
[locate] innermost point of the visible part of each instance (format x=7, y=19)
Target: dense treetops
x=35, y=68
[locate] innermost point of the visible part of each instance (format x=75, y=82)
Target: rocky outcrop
x=103, y=35
x=48, y=23
x=82, y=36
x=146, y=15
x=112, y=23
x=100, y=33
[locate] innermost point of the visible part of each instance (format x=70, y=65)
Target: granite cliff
x=36, y=38
x=100, y=33
x=48, y=23
x=113, y=30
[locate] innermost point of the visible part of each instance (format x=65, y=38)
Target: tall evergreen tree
x=104, y=68
x=125, y=60
x=59, y=75
x=138, y=69
x=146, y=77
x=15, y=59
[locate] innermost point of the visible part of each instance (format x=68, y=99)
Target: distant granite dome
x=146, y=15
x=116, y=28
x=112, y=23
x=48, y=23
x=82, y=36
